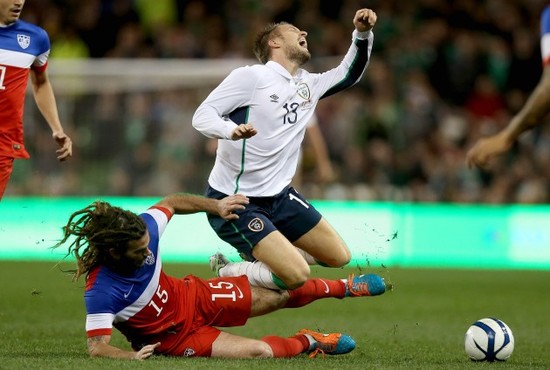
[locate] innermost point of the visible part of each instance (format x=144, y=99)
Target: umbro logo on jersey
x=256, y=225
x=23, y=40
x=274, y=98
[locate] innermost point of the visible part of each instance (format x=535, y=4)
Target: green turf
x=420, y=325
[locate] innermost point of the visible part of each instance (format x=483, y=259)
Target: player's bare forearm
x=534, y=110
x=45, y=101
x=99, y=346
x=181, y=203
x=532, y=114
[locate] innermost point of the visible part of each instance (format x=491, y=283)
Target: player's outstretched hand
x=146, y=351
x=364, y=20
x=65, y=150
x=243, y=131
x=486, y=149
x=230, y=204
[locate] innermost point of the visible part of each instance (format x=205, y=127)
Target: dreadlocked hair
x=96, y=229
x=261, y=48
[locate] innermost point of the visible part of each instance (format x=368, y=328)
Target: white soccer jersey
x=279, y=106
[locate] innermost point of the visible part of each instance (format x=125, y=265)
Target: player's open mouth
x=303, y=43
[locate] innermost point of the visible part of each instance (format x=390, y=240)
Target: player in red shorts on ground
x=118, y=252
x=24, y=50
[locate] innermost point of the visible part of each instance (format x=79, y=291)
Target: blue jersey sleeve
x=545, y=21
x=153, y=229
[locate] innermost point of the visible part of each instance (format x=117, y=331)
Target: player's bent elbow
x=94, y=352
x=195, y=120
x=97, y=349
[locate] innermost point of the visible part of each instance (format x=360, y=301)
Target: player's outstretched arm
x=99, y=346
x=531, y=115
x=181, y=203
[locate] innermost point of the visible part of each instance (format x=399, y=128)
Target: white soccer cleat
x=217, y=261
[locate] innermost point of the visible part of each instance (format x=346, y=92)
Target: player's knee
x=260, y=349
x=335, y=262
x=338, y=259
x=342, y=260
x=297, y=277
x=295, y=284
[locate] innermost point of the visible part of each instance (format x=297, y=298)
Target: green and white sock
x=257, y=272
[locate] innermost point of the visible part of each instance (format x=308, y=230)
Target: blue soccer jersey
x=144, y=302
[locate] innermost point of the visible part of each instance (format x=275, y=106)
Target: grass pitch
x=419, y=325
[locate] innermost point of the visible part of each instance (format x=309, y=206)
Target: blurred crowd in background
x=443, y=73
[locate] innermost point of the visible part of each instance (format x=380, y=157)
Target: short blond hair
x=261, y=48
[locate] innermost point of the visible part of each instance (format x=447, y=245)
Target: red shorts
x=6, y=167
x=219, y=302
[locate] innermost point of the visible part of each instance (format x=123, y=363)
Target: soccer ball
x=489, y=339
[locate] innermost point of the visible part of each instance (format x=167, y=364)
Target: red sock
x=287, y=347
x=314, y=289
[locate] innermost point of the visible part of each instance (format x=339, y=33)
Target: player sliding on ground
x=118, y=253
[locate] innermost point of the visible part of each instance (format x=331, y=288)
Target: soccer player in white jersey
x=118, y=252
x=24, y=50
x=531, y=115
x=259, y=114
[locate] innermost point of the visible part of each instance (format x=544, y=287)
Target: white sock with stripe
x=257, y=272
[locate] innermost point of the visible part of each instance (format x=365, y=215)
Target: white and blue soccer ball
x=489, y=339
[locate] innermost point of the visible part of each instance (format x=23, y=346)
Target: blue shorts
x=287, y=212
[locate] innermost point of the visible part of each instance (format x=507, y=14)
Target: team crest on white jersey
x=303, y=91
x=23, y=40
x=256, y=225
x=150, y=259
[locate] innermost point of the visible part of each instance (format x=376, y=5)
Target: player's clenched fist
x=243, y=131
x=364, y=20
